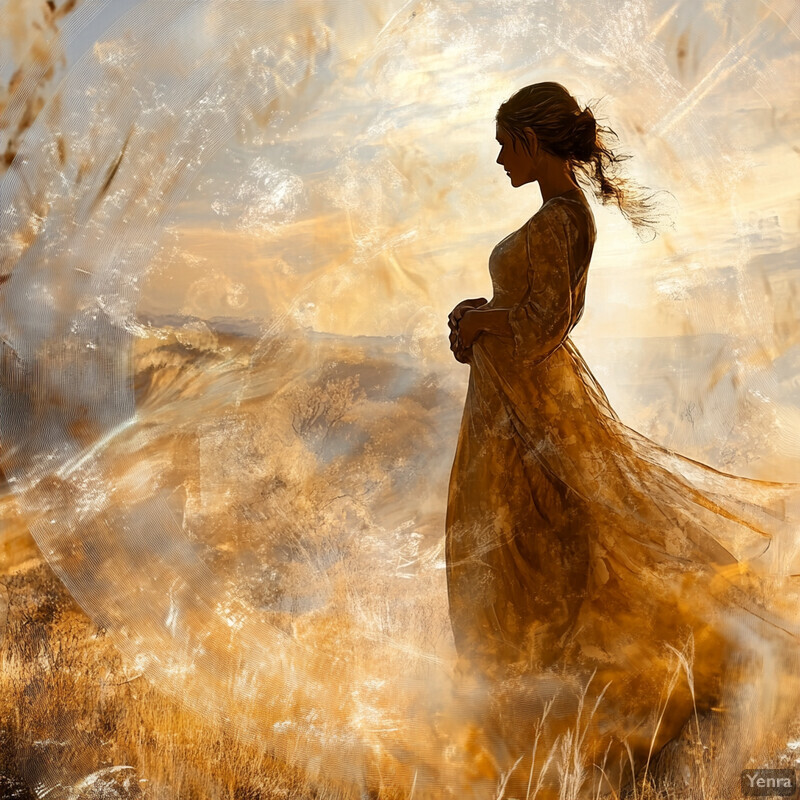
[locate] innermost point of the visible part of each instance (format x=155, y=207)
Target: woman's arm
x=479, y=320
x=541, y=320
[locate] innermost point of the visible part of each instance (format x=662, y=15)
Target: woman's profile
x=574, y=542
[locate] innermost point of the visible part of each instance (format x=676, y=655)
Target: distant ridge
x=253, y=328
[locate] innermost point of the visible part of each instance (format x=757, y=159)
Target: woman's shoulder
x=571, y=210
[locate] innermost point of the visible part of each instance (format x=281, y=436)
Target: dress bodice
x=562, y=233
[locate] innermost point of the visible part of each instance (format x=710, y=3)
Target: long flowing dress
x=574, y=542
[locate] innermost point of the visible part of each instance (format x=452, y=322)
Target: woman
x=573, y=542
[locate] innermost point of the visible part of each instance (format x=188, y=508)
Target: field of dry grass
x=69, y=708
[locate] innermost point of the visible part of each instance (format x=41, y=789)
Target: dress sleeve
x=543, y=317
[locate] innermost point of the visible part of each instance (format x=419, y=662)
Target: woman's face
x=518, y=164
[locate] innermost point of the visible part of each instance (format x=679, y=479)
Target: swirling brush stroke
x=94, y=184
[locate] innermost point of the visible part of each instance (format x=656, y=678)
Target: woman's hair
x=565, y=130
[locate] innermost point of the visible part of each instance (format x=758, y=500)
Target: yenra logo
x=768, y=782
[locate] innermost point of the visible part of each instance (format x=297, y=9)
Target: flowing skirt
x=575, y=545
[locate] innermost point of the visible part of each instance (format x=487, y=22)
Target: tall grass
x=69, y=707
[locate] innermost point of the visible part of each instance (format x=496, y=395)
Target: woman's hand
x=454, y=322
x=468, y=328
x=455, y=315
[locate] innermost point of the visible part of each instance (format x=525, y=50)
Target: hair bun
x=585, y=134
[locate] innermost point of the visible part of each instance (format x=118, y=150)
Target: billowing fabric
x=575, y=544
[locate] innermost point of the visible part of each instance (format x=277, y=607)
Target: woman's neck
x=556, y=179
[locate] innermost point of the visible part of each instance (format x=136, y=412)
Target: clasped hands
x=464, y=327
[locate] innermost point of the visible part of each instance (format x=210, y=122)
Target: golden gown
x=574, y=542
